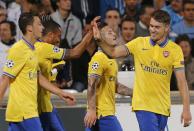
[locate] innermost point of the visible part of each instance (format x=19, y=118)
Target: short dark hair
x=187, y=2
x=49, y=25
x=12, y=26
x=127, y=18
x=161, y=16
x=25, y=20
x=183, y=37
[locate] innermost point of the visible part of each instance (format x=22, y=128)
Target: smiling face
x=109, y=36
x=158, y=31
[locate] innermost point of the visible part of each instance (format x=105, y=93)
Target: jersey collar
x=163, y=44
x=28, y=43
x=39, y=40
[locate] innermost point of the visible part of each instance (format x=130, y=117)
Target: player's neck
x=30, y=39
x=161, y=40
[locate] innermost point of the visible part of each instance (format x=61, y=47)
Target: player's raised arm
x=77, y=51
x=91, y=116
x=67, y=97
x=80, y=48
x=4, y=82
x=106, y=44
x=184, y=92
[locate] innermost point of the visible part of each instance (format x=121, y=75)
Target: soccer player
x=21, y=73
x=46, y=53
x=102, y=86
x=155, y=58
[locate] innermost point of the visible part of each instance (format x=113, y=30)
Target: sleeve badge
x=95, y=66
x=9, y=63
x=56, y=49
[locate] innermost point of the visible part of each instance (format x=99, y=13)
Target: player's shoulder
x=39, y=44
x=173, y=46
x=139, y=40
x=43, y=46
x=19, y=50
x=99, y=54
x=18, y=47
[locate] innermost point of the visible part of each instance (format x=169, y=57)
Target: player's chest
x=32, y=60
x=111, y=68
x=156, y=55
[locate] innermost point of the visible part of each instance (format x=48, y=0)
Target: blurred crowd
x=127, y=18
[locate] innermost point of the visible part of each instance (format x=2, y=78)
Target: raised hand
x=95, y=29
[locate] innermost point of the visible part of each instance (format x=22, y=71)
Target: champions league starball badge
x=9, y=63
x=56, y=49
x=95, y=66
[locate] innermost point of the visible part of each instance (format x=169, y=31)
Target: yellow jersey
x=54, y=71
x=107, y=70
x=22, y=67
x=46, y=53
x=153, y=68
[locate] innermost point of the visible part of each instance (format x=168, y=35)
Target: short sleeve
x=51, y=51
x=96, y=66
x=178, y=59
x=14, y=63
x=132, y=45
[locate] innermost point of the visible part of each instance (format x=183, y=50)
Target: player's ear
x=167, y=28
x=29, y=28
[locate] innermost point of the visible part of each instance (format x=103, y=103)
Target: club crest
x=166, y=53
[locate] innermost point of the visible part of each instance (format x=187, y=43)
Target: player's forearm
x=48, y=86
x=93, y=82
x=4, y=82
x=184, y=92
x=123, y=90
x=183, y=88
x=77, y=51
x=91, y=97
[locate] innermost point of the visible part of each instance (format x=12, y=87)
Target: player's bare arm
x=80, y=48
x=67, y=97
x=186, y=117
x=104, y=43
x=4, y=82
x=124, y=90
x=91, y=116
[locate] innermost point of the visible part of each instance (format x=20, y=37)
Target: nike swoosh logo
x=144, y=49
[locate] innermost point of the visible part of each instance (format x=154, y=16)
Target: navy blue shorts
x=32, y=124
x=51, y=122
x=149, y=121
x=107, y=123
